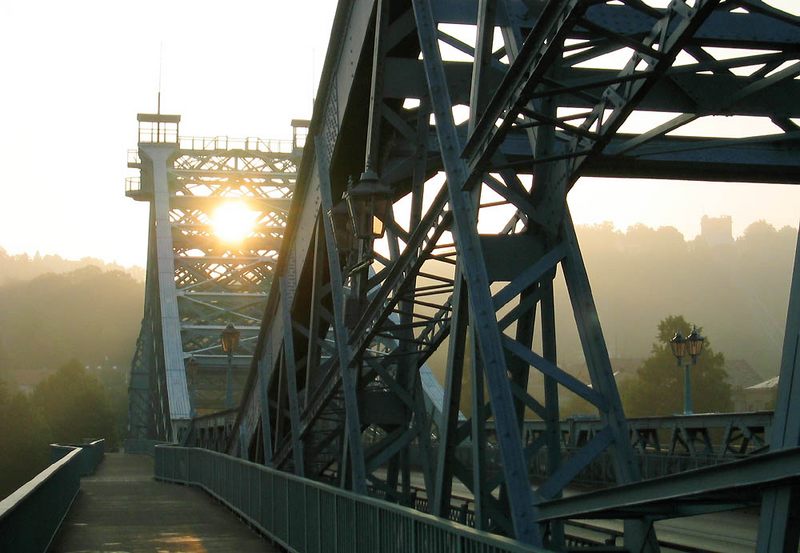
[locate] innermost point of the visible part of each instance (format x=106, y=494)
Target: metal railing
x=305, y=516
x=250, y=144
x=141, y=446
x=706, y=434
x=133, y=157
x=133, y=185
x=31, y=516
x=158, y=133
x=91, y=454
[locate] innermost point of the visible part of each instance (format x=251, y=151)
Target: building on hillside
x=741, y=374
x=27, y=379
x=623, y=367
x=759, y=397
x=716, y=231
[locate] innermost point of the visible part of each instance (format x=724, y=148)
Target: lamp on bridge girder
x=369, y=202
x=692, y=346
x=230, y=339
x=343, y=227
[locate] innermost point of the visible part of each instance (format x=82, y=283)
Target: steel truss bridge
x=478, y=117
x=196, y=283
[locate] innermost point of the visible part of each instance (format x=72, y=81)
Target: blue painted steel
x=91, y=454
x=307, y=516
x=142, y=446
x=687, y=390
x=31, y=516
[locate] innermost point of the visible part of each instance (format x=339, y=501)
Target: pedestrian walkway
x=122, y=509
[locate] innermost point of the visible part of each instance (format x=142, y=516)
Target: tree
x=86, y=314
x=24, y=440
x=75, y=405
x=657, y=389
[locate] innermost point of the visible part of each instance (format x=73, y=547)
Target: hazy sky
x=76, y=73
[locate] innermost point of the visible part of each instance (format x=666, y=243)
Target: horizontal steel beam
x=721, y=487
x=679, y=91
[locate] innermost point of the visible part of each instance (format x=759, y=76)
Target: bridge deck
x=121, y=508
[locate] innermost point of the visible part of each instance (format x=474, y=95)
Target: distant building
x=622, y=367
x=27, y=379
x=759, y=397
x=741, y=374
x=716, y=231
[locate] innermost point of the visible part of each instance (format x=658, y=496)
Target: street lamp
x=343, y=228
x=369, y=202
x=230, y=339
x=692, y=346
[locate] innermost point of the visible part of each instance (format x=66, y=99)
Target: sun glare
x=233, y=221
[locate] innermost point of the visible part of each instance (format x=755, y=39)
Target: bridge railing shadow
x=31, y=516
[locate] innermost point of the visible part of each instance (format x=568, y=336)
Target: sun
x=233, y=221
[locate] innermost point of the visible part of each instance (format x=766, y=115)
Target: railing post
x=336, y=524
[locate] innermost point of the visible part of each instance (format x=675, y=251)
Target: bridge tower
x=200, y=276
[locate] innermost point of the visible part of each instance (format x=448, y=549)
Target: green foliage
x=25, y=267
x=25, y=440
x=87, y=314
x=115, y=383
x=75, y=405
x=657, y=388
x=68, y=406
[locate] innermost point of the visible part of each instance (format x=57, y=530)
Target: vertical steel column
x=264, y=370
x=350, y=376
x=482, y=312
x=779, y=529
x=174, y=370
x=552, y=430
x=478, y=435
x=290, y=368
x=452, y=394
x=313, y=349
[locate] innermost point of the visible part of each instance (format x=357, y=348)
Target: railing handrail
x=142, y=446
x=248, y=143
x=169, y=456
x=18, y=496
x=31, y=515
x=217, y=414
x=133, y=184
x=701, y=418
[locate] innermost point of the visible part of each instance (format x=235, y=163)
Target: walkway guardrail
x=306, y=516
x=31, y=516
x=91, y=454
x=723, y=435
x=141, y=446
x=227, y=143
x=133, y=185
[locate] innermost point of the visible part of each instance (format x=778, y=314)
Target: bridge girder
x=479, y=230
